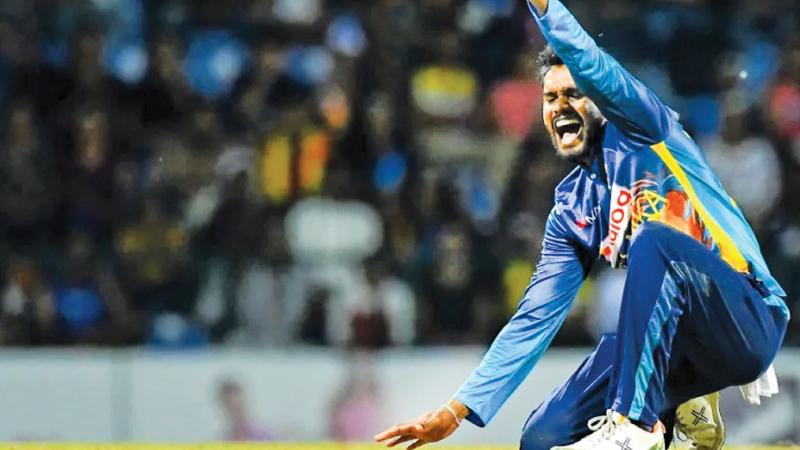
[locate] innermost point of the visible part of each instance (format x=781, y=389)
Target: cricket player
x=700, y=310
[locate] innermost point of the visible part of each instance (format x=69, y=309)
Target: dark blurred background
x=357, y=174
x=270, y=182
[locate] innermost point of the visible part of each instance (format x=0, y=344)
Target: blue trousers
x=689, y=325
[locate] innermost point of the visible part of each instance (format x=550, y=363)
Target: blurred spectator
x=454, y=128
x=400, y=231
x=334, y=228
x=524, y=211
x=496, y=32
x=449, y=281
x=356, y=411
x=437, y=14
x=394, y=27
x=515, y=101
x=90, y=306
x=256, y=300
x=313, y=327
x=445, y=90
x=736, y=152
x=80, y=78
x=783, y=106
x=704, y=30
x=237, y=222
x=91, y=80
x=381, y=309
x=29, y=184
x=240, y=427
x=293, y=161
x=239, y=162
x=89, y=173
x=784, y=98
x=127, y=191
x=152, y=254
x=28, y=314
x=256, y=90
x=528, y=197
x=389, y=160
x=329, y=237
x=164, y=94
x=185, y=160
x=297, y=12
x=782, y=247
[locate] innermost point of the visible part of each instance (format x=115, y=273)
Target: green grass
x=271, y=446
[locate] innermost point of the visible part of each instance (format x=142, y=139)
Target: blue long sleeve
x=623, y=100
x=520, y=344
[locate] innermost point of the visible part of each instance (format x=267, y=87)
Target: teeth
x=564, y=121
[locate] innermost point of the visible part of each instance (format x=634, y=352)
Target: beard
x=577, y=146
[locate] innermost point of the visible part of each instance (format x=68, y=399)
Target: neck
x=585, y=159
x=593, y=151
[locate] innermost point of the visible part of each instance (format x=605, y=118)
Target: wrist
x=461, y=411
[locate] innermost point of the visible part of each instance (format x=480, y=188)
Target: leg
x=683, y=309
x=562, y=418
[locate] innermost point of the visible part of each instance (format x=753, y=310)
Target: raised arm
x=623, y=100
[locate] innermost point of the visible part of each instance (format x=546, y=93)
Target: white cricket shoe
x=698, y=425
x=615, y=432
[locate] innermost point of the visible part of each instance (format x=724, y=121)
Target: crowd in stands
x=184, y=173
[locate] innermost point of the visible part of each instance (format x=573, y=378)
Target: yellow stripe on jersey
x=728, y=250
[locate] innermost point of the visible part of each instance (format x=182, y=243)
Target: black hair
x=546, y=60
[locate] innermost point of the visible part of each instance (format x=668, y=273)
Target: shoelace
x=680, y=436
x=605, y=424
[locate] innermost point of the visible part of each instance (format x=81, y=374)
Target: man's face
x=572, y=120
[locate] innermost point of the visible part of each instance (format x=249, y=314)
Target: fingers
x=402, y=429
x=417, y=444
x=400, y=440
x=386, y=434
x=397, y=430
x=429, y=427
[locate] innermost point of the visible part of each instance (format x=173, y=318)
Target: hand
x=430, y=427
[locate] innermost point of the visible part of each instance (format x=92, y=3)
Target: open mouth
x=568, y=127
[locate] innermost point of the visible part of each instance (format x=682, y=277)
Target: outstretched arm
x=519, y=345
x=623, y=100
x=559, y=274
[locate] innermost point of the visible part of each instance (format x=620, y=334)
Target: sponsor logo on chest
x=619, y=217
